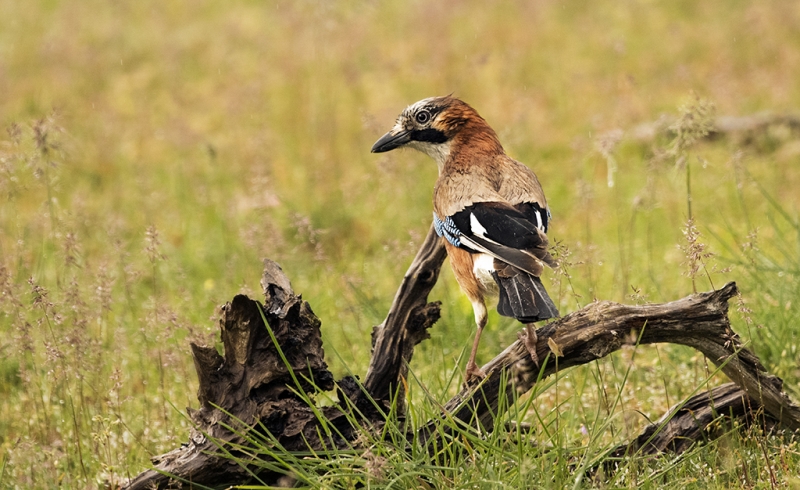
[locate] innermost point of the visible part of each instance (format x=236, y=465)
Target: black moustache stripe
x=429, y=135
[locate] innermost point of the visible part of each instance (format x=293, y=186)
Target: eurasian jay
x=489, y=208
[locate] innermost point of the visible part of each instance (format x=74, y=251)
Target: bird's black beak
x=391, y=140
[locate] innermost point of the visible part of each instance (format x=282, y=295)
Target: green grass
x=185, y=142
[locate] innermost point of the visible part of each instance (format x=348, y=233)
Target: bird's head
x=435, y=125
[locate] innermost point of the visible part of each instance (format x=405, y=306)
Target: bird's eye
x=423, y=117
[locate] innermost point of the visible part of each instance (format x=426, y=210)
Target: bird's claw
x=529, y=338
x=473, y=372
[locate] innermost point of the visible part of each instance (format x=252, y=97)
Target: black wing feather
x=518, y=258
x=514, y=227
x=514, y=234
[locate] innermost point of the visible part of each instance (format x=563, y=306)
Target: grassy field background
x=155, y=152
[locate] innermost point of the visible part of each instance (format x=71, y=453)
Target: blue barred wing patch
x=447, y=229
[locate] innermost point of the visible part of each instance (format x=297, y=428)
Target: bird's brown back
x=470, y=176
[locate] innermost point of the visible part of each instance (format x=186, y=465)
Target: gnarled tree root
x=262, y=380
x=699, y=321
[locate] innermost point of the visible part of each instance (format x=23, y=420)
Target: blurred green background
x=155, y=152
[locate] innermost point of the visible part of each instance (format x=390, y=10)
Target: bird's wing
x=514, y=235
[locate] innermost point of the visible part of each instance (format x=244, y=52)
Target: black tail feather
x=522, y=296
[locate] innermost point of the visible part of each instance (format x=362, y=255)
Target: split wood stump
x=258, y=386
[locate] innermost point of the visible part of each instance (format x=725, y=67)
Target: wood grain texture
x=252, y=384
x=696, y=419
x=699, y=321
x=407, y=322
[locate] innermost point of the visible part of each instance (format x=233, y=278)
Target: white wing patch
x=539, y=220
x=476, y=226
x=477, y=229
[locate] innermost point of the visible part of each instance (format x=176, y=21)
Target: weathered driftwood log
x=407, y=322
x=269, y=373
x=252, y=383
x=703, y=417
x=699, y=321
x=694, y=420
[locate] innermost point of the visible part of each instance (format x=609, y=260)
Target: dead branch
x=696, y=419
x=269, y=373
x=699, y=321
x=252, y=384
x=407, y=322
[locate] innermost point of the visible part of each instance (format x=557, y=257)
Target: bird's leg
x=473, y=370
x=530, y=339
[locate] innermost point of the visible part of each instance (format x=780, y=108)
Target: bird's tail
x=522, y=296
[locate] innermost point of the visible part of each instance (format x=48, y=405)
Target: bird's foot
x=473, y=373
x=529, y=338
